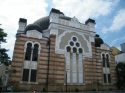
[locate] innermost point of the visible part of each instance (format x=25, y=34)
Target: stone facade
x=51, y=63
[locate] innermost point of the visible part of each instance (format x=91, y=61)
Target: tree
x=120, y=69
x=4, y=58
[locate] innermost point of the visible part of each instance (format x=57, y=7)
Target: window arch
x=106, y=67
x=103, y=59
x=107, y=60
x=74, y=62
x=68, y=49
x=35, y=52
x=28, y=51
x=32, y=51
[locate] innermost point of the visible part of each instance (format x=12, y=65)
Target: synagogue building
x=59, y=53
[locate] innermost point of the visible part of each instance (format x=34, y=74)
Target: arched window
x=107, y=60
x=74, y=50
x=35, y=52
x=103, y=60
x=80, y=50
x=106, y=70
x=74, y=62
x=68, y=48
x=28, y=51
x=30, y=67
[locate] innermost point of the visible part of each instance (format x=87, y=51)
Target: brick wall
x=93, y=73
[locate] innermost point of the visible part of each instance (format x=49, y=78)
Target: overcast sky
x=108, y=14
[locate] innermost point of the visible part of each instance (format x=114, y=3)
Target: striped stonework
x=92, y=67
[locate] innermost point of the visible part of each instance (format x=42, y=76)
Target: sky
x=108, y=14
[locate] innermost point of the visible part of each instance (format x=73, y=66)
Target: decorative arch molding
x=31, y=59
x=105, y=59
x=63, y=40
x=105, y=53
x=33, y=43
x=25, y=46
x=38, y=45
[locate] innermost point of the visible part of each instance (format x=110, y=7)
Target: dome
x=40, y=25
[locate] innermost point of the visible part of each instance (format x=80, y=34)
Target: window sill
x=24, y=82
x=107, y=84
x=73, y=84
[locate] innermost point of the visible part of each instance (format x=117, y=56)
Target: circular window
x=74, y=50
x=74, y=39
x=71, y=43
x=68, y=48
x=80, y=50
x=77, y=44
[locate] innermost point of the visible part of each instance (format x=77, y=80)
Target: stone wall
x=93, y=72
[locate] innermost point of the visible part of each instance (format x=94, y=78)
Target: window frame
x=31, y=61
x=106, y=65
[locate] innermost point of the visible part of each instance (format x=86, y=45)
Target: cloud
x=118, y=22
x=118, y=41
x=12, y=10
x=83, y=9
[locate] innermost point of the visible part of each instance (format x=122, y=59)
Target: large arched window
x=106, y=69
x=35, y=52
x=28, y=51
x=29, y=72
x=74, y=62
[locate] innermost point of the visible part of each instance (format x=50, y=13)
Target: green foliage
x=4, y=58
x=2, y=35
x=120, y=69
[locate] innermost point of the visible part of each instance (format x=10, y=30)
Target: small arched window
x=80, y=50
x=28, y=51
x=68, y=48
x=107, y=60
x=35, y=52
x=103, y=59
x=74, y=50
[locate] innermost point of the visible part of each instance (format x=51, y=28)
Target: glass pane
x=107, y=60
x=103, y=60
x=71, y=43
x=25, y=75
x=80, y=50
x=28, y=51
x=105, y=78
x=77, y=44
x=109, y=78
x=74, y=50
x=68, y=49
x=35, y=52
x=33, y=75
x=74, y=39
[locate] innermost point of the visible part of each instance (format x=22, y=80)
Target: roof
x=23, y=20
x=98, y=41
x=90, y=20
x=40, y=25
x=56, y=11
